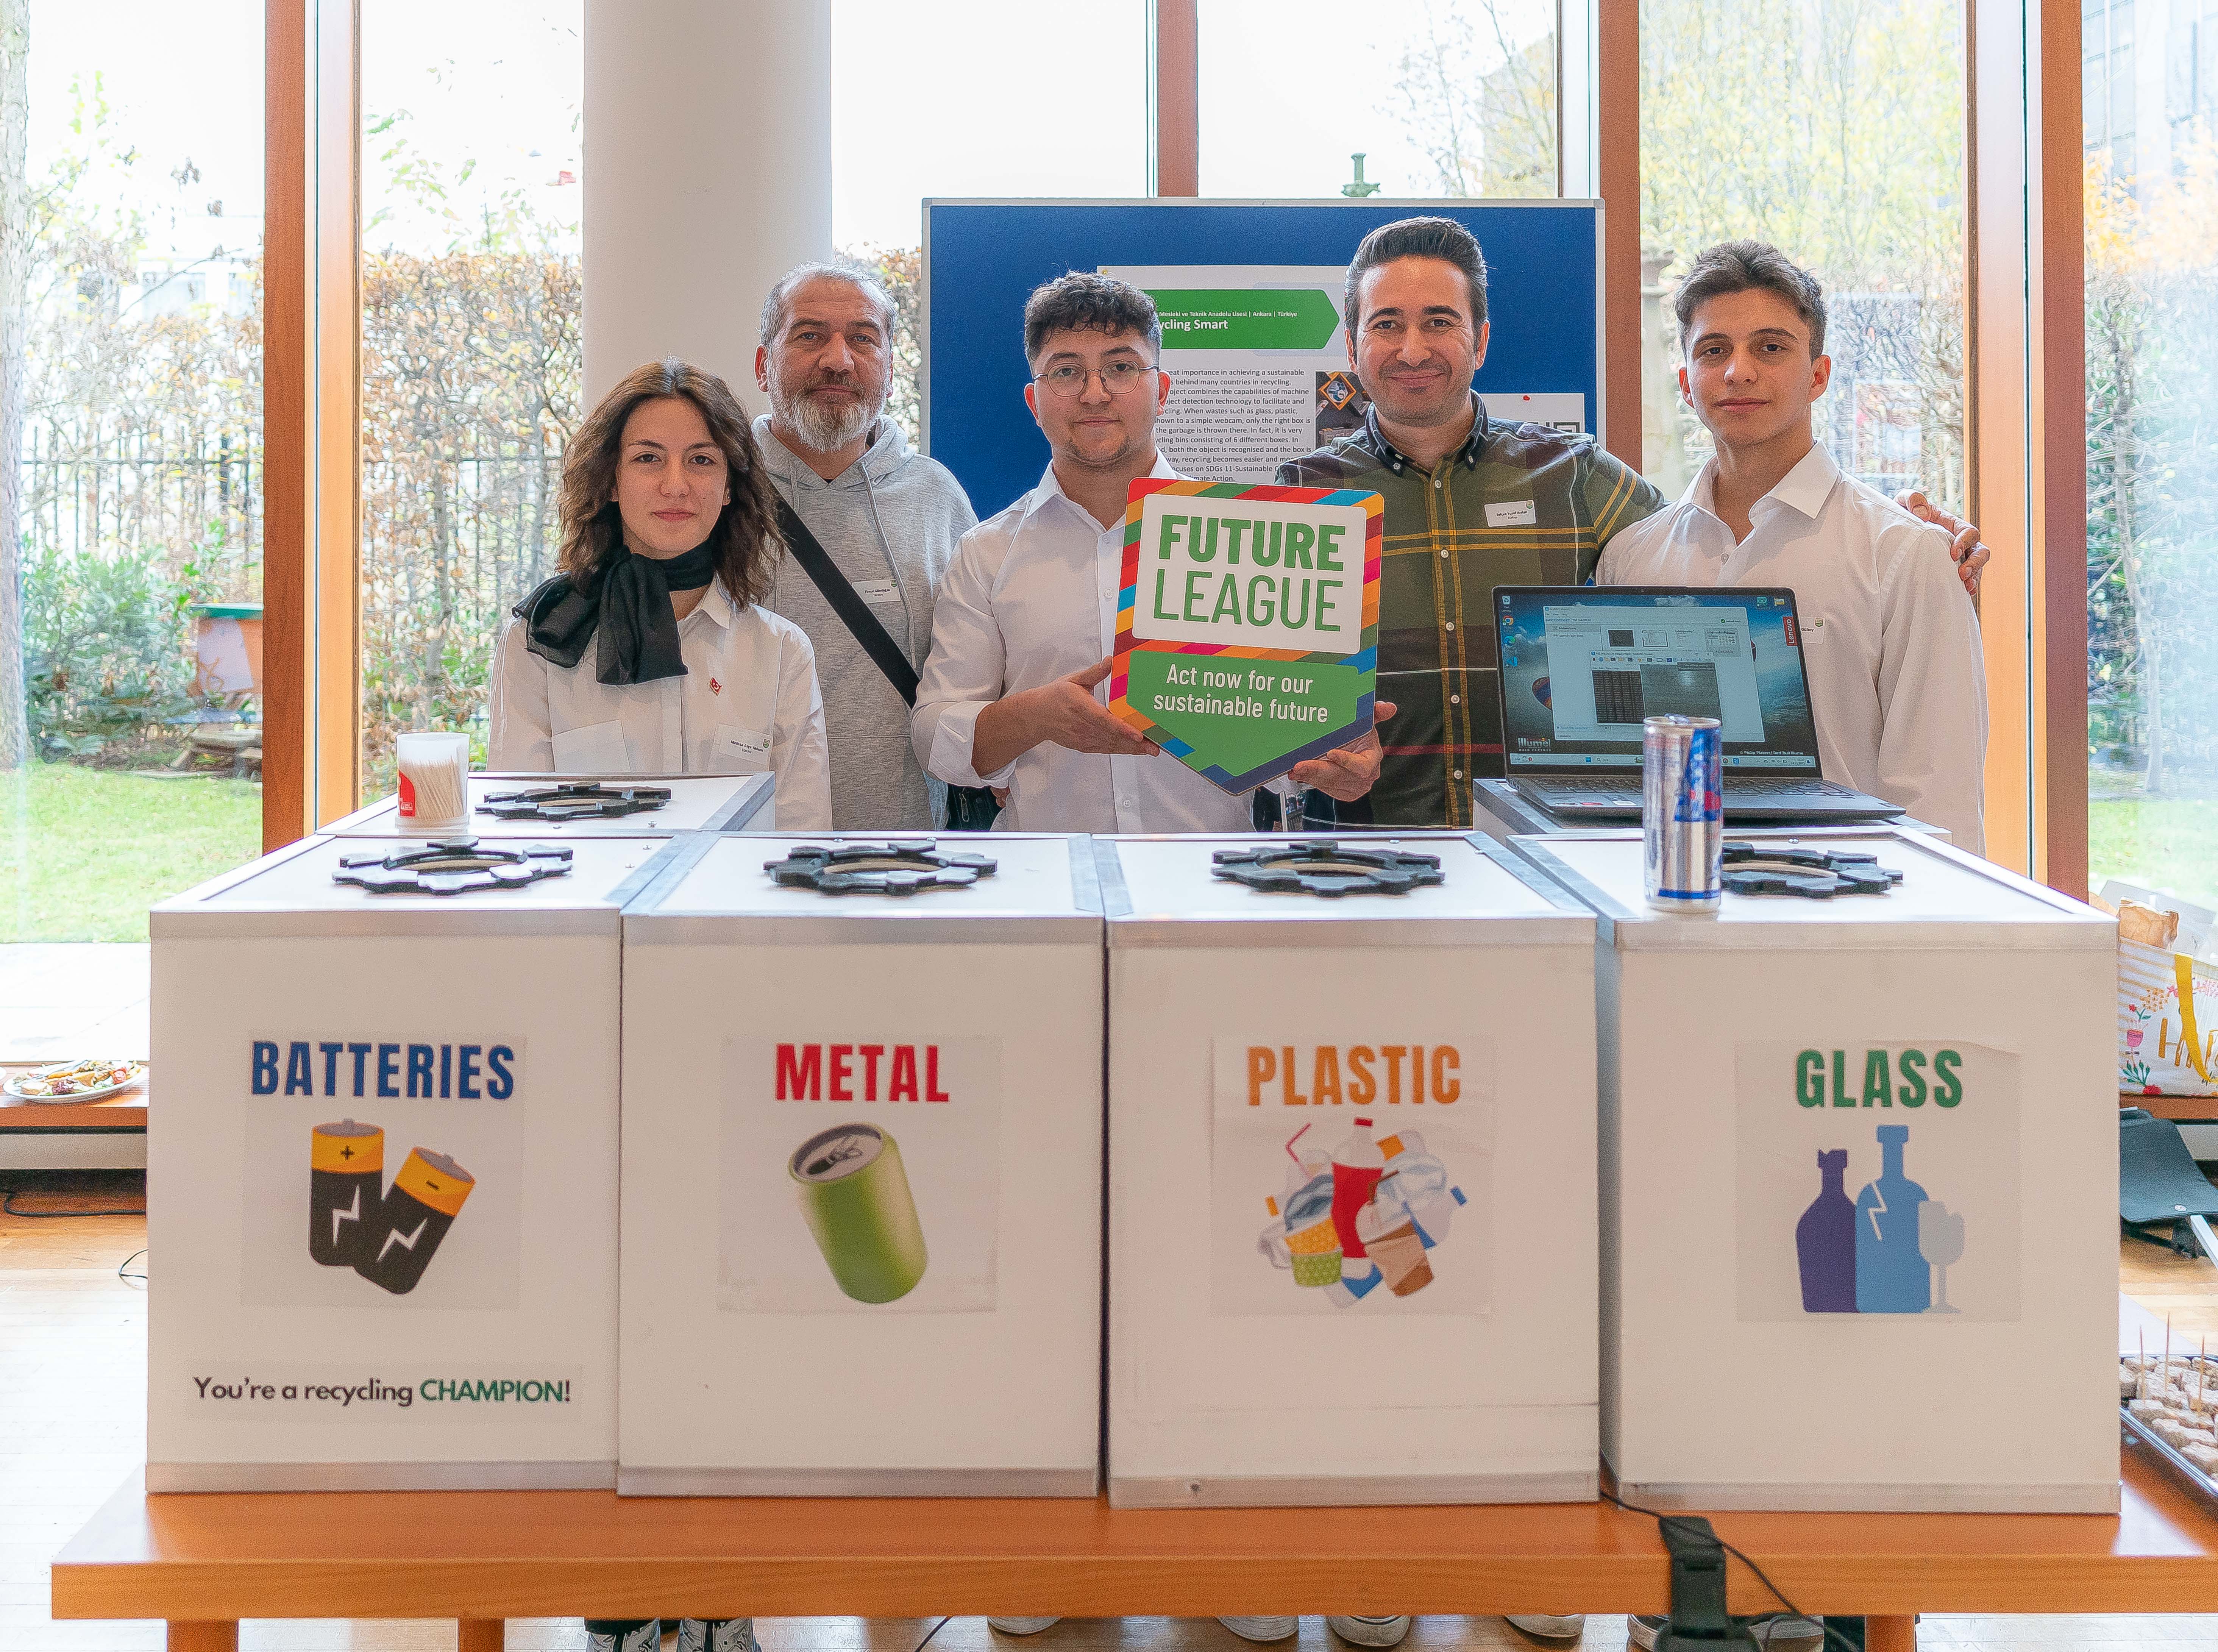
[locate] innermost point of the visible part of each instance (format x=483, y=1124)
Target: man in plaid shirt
x=1472, y=502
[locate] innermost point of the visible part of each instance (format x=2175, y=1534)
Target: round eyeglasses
x=1068, y=379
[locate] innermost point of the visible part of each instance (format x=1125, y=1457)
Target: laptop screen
x=1582, y=666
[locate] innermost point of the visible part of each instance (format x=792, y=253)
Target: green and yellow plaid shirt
x=1514, y=505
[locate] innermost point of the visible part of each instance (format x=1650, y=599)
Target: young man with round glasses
x=1027, y=614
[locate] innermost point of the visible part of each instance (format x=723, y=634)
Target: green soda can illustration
x=855, y=1195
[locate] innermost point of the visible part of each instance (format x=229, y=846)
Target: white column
x=707, y=174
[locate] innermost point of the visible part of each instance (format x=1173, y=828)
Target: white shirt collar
x=717, y=603
x=1051, y=488
x=1805, y=489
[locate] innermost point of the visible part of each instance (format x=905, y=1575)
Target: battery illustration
x=418, y=1208
x=346, y=1166
x=855, y=1194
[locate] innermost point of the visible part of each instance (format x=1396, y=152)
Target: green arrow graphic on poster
x=1245, y=319
x=1247, y=624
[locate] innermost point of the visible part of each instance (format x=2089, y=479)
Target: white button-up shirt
x=1891, y=641
x=1031, y=596
x=747, y=703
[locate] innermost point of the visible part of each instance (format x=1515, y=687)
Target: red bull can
x=1682, y=813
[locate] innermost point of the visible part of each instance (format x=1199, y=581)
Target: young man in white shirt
x=1025, y=618
x=1027, y=613
x=1890, y=640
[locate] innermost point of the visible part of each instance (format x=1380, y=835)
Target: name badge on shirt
x=877, y=592
x=1511, y=513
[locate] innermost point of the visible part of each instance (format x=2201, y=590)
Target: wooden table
x=204, y=1561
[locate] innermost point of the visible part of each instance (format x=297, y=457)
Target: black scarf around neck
x=627, y=604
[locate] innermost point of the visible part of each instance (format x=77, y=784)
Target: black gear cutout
x=451, y=866
x=1812, y=874
x=577, y=800
x=1322, y=867
x=878, y=868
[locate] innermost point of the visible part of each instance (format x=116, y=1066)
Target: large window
x=2150, y=101
x=1834, y=129
x=130, y=409
x=1060, y=111
x=471, y=344
x=1441, y=97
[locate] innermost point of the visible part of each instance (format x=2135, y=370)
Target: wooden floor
x=72, y=1408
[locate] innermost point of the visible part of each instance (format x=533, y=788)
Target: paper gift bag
x=2167, y=1022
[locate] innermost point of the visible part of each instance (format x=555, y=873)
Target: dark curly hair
x=1084, y=302
x=745, y=539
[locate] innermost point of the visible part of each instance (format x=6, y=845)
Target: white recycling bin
x=1352, y=1189
x=1859, y=1184
x=382, y=1177
x=862, y=1169
x=559, y=807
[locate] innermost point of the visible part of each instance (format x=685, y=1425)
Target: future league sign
x=1247, y=624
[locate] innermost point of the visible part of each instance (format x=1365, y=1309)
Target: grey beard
x=821, y=431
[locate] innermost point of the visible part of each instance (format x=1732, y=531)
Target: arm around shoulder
x=1933, y=695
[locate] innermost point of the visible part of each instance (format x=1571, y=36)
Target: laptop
x=1582, y=665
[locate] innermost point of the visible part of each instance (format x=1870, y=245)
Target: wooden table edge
x=108, y=1571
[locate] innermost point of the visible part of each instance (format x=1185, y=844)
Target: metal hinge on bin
x=580, y=800
x=1323, y=867
x=451, y=866
x=878, y=868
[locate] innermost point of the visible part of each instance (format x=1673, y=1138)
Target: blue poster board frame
x=982, y=259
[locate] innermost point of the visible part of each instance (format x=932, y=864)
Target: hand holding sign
x=1345, y=773
x=1062, y=713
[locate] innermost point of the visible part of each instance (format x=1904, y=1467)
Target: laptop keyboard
x=1735, y=787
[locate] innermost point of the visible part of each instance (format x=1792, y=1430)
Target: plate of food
x=66, y=1083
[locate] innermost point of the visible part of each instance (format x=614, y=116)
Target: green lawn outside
x=2166, y=843
x=83, y=852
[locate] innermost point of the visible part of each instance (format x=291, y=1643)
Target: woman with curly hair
x=650, y=652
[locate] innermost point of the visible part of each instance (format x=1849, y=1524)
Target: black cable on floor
x=929, y=1633
x=1832, y=1634
x=126, y=1261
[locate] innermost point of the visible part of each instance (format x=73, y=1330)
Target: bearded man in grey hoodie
x=886, y=516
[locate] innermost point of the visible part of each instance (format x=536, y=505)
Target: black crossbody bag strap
x=847, y=602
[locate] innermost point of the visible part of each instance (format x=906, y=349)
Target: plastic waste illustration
x=1879, y=1255
x=1369, y=1215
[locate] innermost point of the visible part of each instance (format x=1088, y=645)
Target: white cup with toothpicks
x=434, y=782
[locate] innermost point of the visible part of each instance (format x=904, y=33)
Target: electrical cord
x=1832, y=1635
x=126, y=1261
x=929, y=1633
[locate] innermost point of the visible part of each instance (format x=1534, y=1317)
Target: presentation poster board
x=1250, y=295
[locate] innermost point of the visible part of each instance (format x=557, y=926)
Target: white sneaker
x=1263, y=1629
x=1554, y=1626
x=641, y=1637
x=716, y=1635
x=1369, y=1631
x=1023, y=1626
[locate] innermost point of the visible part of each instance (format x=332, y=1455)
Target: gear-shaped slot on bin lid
x=1811, y=873
x=575, y=800
x=451, y=866
x=878, y=868
x=1324, y=868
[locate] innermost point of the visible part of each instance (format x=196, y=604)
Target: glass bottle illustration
x=1892, y=1276
x=1825, y=1241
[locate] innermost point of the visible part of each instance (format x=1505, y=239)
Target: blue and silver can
x=1682, y=813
